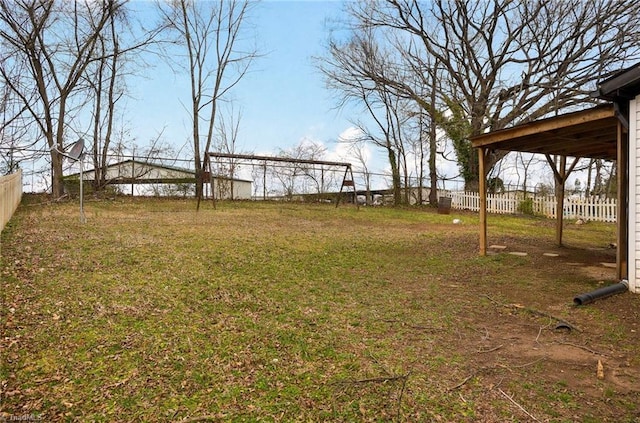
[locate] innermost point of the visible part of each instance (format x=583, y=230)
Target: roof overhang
x=622, y=86
x=590, y=133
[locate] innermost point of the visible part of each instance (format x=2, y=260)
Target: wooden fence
x=10, y=196
x=604, y=210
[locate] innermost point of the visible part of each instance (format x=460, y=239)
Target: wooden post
x=622, y=249
x=560, y=174
x=213, y=188
x=343, y=184
x=560, y=178
x=355, y=191
x=482, y=187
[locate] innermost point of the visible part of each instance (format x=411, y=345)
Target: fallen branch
x=492, y=300
x=534, y=312
x=517, y=405
x=582, y=347
x=459, y=385
x=480, y=351
x=384, y=379
x=404, y=384
x=544, y=314
x=520, y=366
x=417, y=327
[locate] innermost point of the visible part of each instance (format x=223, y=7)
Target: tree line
x=65, y=64
x=451, y=69
x=425, y=73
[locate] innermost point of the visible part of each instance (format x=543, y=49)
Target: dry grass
x=278, y=312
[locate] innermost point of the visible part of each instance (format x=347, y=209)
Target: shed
x=610, y=131
x=138, y=172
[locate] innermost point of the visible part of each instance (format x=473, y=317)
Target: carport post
x=622, y=218
x=482, y=188
x=560, y=181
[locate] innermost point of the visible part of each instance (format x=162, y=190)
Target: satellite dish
x=76, y=150
x=75, y=154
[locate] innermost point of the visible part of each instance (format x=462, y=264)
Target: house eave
x=623, y=86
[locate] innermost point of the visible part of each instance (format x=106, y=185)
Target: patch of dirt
x=521, y=335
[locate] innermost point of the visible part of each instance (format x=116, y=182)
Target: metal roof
x=178, y=174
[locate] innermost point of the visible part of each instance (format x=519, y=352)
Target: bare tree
x=55, y=42
x=294, y=177
x=228, y=130
x=210, y=33
x=259, y=173
x=357, y=148
x=522, y=168
x=17, y=144
x=320, y=177
x=357, y=70
x=503, y=62
x=603, y=184
x=107, y=91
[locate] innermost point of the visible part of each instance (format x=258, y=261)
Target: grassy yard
x=288, y=312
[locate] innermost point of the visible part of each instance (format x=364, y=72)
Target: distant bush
x=526, y=206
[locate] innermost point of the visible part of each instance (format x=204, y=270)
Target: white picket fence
x=10, y=196
x=604, y=210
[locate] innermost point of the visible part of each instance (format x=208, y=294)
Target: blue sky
x=283, y=99
x=285, y=95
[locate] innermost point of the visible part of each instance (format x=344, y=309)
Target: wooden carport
x=598, y=132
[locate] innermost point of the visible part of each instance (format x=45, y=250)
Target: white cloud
x=346, y=149
x=352, y=133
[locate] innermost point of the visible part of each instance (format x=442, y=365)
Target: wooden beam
x=482, y=188
x=571, y=168
x=141, y=181
x=544, y=125
x=587, y=133
x=556, y=175
x=355, y=190
x=342, y=185
x=252, y=157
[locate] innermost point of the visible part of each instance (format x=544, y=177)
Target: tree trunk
x=587, y=189
x=57, y=185
x=199, y=180
x=395, y=177
x=433, y=149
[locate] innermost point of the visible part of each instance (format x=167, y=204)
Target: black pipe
x=604, y=292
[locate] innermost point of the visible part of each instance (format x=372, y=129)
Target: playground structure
x=287, y=169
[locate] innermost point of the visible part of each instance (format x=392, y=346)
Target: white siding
x=222, y=189
x=136, y=170
x=634, y=195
